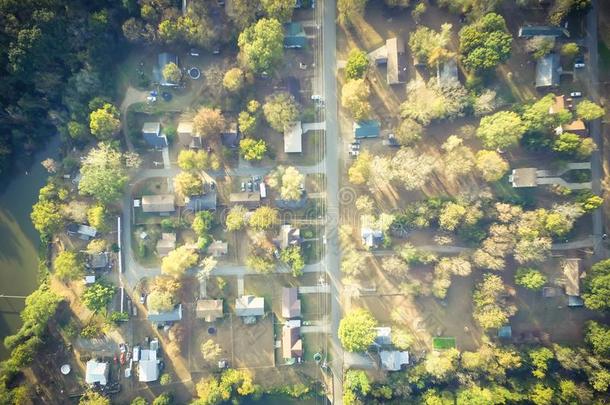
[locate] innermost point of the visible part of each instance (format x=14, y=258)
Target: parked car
x=354, y=153
x=355, y=146
x=142, y=298
x=576, y=94
x=579, y=64
x=194, y=52
x=243, y=186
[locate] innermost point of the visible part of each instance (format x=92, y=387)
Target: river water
x=19, y=241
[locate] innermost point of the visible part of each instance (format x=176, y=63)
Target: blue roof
x=170, y=316
x=155, y=141
x=292, y=204
x=366, y=129
x=294, y=35
x=543, y=30
x=505, y=332
x=574, y=301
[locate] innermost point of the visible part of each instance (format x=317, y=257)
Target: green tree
x=208, y=122
x=356, y=383
x=491, y=165
x=357, y=64
x=488, y=311
x=598, y=336
x=252, y=149
x=264, y=218
x=590, y=202
x=501, y=130
x=93, y=398
x=589, y=111
x=360, y=170
x=540, y=46
x=539, y=359
x=97, y=218
x=187, y=184
x=570, y=49
x=431, y=47
x=408, y=132
x=97, y=296
x=210, y=350
x=260, y=264
x=485, y=43
x=441, y=365
x=165, y=379
x=280, y=110
x=47, y=218
x=289, y=181
x=357, y=330
x=104, y=122
x=348, y=10
x=236, y=218
x=68, y=266
x=530, y=278
x=354, y=98
x=597, y=286
x=139, y=401
x=261, y=45
x=160, y=301
x=233, y=80
x=103, y=174
x=192, y=160
x=541, y=395
x=281, y=10
x=164, y=399
x=178, y=261
x=248, y=120
x=172, y=73
x=401, y=338
x=292, y=257
x=573, y=145
x=600, y=380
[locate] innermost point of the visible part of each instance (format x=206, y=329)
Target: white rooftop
x=293, y=138
x=96, y=372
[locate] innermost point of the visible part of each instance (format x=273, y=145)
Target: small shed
x=96, y=372
x=572, y=273
x=366, y=129
x=245, y=198
x=547, y=71
x=229, y=137
x=218, y=248
x=81, y=231
x=209, y=310
x=293, y=138
x=98, y=260
x=447, y=73
x=158, y=203
x=249, y=306
x=524, y=177
x=383, y=336
x=294, y=35
x=371, y=238
x=505, y=332
x=393, y=360
x=292, y=345
x=291, y=305
x=166, y=244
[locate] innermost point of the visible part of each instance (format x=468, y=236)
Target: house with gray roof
x=161, y=318
x=249, y=307
x=151, y=132
x=163, y=59
x=548, y=71
x=530, y=31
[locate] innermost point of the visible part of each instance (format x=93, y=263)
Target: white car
x=579, y=65
x=576, y=94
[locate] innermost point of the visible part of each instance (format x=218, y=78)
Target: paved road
x=332, y=256
x=595, y=128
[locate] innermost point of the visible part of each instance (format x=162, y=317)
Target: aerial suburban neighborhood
x=305, y=202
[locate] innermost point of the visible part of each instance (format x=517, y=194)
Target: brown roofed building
x=571, y=271
x=158, y=203
x=558, y=105
x=291, y=305
x=524, y=177
x=209, y=310
x=292, y=345
x=245, y=198
x=575, y=127
x=166, y=244
x=396, y=61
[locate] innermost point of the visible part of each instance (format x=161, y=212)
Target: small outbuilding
x=163, y=59
x=572, y=273
x=291, y=304
x=577, y=127
x=98, y=261
x=166, y=244
x=524, y=177
x=293, y=138
x=384, y=336
x=81, y=231
x=209, y=310
x=371, y=238
x=289, y=236
x=447, y=73
x=530, y=31
x=160, y=203
x=96, y=372
x=186, y=137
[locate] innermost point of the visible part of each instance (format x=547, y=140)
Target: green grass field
x=442, y=343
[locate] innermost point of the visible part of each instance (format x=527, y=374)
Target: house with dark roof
x=392, y=54
x=548, y=71
x=294, y=35
x=151, y=132
x=98, y=261
x=163, y=59
x=447, y=73
x=371, y=238
x=209, y=310
x=530, y=31
x=201, y=202
x=81, y=231
x=393, y=360
x=291, y=304
x=162, y=318
x=366, y=129
x=292, y=204
x=229, y=137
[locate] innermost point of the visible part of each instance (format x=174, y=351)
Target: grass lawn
x=442, y=343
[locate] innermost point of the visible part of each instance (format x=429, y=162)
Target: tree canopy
x=485, y=43
x=357, y=330
x=103, y=174
x=281, y=111
x=104, y=122
x=597, y=286
x=178, y=261
x=68, y=266
x=355, y=98
x=501, y=130
x=261, y=45
x=357, y=64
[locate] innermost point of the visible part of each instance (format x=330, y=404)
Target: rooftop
x=158, y=203
x=292, y=345
x=291, y=305
x=210, y=310
x=366, y=129
x=571, y=271
x=547, y=71
x=249, y=305
x=524, y=177
x=162, y=317
x=393, y=360
x=293, y=142
x=218, y=248
x=96, y=372
x=151, y=128
x=397, y=61
x=185, y=127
